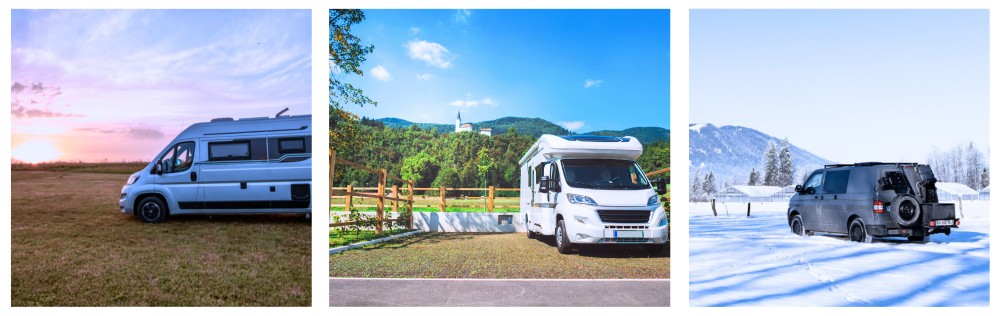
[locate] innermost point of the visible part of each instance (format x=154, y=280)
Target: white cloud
x=426, y=77
x=462, y=15
x=414, y=30
x=592, y=83
x=572, y=126
x=433, y=53
x=381, y=73
x=469, y=102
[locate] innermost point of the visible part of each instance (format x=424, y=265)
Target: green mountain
x=534, y=127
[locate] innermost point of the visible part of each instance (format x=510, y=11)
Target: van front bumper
x=126, y=201
x=591, y=230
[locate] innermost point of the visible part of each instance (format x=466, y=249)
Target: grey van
x=871, y=199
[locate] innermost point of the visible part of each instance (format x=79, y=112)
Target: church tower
x=458, y=121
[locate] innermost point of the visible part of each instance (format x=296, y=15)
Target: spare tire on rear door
x=905, y=210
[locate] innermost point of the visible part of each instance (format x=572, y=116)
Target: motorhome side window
x=554, y=171
x=539, y=172
x=836, y=182
x=292, y=145
x=234, y=150
x=178, y=158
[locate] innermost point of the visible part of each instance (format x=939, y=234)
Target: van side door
x=177, y=176
x=835, y=207
x=234, y=174
x=542, y=206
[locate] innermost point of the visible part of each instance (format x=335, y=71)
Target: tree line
x=962, y=164
x=778, y=170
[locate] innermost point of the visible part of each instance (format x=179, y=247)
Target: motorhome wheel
x=152, y=210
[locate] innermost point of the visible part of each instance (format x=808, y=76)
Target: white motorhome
x=226, y=166
x=586, y=189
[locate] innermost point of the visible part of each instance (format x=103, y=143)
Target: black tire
x=857, y=231
x=527, y=227
x=654, y=249
x=151, y=210
x=920, y=239
x=797, y=226
x=905, y=210
x=562, y=240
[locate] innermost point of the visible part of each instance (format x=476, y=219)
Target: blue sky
x=119, y=84
x=585, y=69
x=847, y=85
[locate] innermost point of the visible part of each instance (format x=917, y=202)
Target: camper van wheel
x=531, y=234
x=562, y=241
x=152, y=210
x=858, y=232
x=796, y=225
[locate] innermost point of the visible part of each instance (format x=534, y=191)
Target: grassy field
x=116, y=168
x=433, y=204
x=501, y=256
x=348, y=237
x=70, y=246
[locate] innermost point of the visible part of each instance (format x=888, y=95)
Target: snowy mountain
x=732, y=151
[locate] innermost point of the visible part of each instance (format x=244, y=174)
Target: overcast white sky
x=847, y=85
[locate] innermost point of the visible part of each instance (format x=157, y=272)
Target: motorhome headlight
x=662, y=222
x=653, y=201
x=132, y=179
x=580, y=199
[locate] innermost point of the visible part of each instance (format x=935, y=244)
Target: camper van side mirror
x=661, y=186
x=543, y=185
x=798, y=188
x=159, y=167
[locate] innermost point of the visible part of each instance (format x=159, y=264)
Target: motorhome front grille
x=625, y=240
x=609, y=216
x=626, y=227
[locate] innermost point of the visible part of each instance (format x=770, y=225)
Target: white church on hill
x=459, y=127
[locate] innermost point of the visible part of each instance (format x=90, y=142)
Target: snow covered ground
x=756, y=261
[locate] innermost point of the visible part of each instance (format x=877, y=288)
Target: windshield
x=604, y=174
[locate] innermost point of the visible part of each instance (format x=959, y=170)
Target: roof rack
x=870, y=163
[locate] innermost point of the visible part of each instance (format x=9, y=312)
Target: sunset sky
x=118, y=85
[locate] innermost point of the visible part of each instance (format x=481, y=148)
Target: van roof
x=227, y=126
x=866, y=164
x=585, y=146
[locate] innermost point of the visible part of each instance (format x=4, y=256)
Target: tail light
x=957, y=222
x=878, y=207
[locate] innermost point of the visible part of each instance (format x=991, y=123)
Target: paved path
x=496, y=292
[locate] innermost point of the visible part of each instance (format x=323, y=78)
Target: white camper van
x=227, y=166
x=588, y=190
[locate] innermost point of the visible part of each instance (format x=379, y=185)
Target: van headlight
x=132, y=179
x=653, y=201
x=580, y=199
x=663, y=221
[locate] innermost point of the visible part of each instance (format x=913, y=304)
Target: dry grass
x=70, y=246
x=501, y=256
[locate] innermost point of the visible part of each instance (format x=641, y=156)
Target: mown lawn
x=500, y=256
x=70, y=246
x=432, y=204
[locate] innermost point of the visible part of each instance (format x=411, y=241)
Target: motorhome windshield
x=604, y=174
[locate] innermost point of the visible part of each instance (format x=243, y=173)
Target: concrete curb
x=340, y=249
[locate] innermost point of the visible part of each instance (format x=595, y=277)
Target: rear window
x=291, y=145
x=238, y=150
x=836, y=182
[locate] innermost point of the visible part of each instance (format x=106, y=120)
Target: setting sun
x=35, y=152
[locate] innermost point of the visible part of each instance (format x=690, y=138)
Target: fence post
x=347, y=198
x=489, y=205
x=333, y=166
x=748, y=209
x=409, y=199
x=380, y=207
x=442, y=199
x=395, y=196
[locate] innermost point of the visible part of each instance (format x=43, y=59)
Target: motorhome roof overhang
x=584, y=147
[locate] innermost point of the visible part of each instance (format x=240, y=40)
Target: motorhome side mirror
x=661, y=186
x=543, y=185
x=160, y=166
x=798, y=189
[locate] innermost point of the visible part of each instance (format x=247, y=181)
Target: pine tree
x=984, y=179
x=771, y=164
x=972, y=167
x=785, y=167
x=754, y=177
x=709, y=185
x=696, y=187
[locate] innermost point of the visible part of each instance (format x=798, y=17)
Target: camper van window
x=539, y=171
x=178, y=158
x=605, y=174
x=555, y=177
x=291, y=145
x=236, y=150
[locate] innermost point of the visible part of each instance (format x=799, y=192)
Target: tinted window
x=538, y=172
x=291, y=145
x=555, y=176
x=239, y=150
x=178, y=158
x=814, y=182
x=836, y=182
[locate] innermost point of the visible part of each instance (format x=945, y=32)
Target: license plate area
x=617, y=233
x=942, y=222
